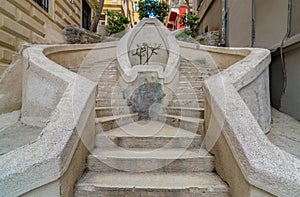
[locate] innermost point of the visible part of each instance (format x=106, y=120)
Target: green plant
x=152, y=8
x=183, y=33
x=193, y=21
x=116, y=22
x=147, y=50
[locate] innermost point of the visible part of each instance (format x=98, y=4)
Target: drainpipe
x=281, y=49
x=224, y=23
x=253, y=22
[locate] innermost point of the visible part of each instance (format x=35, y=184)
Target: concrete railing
x=237, y=116
x=61, y=102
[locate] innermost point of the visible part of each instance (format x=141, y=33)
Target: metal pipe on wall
x=253, y=22
x=224, y=23
x=281, y=49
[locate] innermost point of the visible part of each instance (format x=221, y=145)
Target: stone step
x=186, y=111
x=110, y=122
x=202, y=64
x=191, y=124
x=198, y=69
x=143, y=160
x=154, y=184
x=189, y=83
x=193, y=78
x=110, y=71
x=109, y=89
x=110, y=111
x=110, y=102
x=187, y=103
x=149, y=134
x=189, y=89
x=112, y=95
x=108, y=74
x=103, y=81
x=108, y=84
x=188, y=95
x=194, y=75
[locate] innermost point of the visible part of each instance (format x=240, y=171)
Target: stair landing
x=150, y=158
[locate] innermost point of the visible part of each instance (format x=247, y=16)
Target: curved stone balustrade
x=62, y=102
x=237, y=118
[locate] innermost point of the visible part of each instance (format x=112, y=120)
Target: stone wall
x=26, y=22
x=211, y=38
x=77, y=35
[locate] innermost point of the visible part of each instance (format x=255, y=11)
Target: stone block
x=7, y=8
x=6, y=55
x=30, y=23
x=38, y=16
x=22, y=5
x=7, y=40
x=37, y=39
x=59, y=21
x=75, y=34
x=15, y=28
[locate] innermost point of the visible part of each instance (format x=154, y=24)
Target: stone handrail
x=231, y=123
x=129, y=73
x=65, y=112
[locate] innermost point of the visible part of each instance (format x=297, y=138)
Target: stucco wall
x=289, y=101
x=239, y=18
x=26, y=22
x=270, y=22
x=214, y=19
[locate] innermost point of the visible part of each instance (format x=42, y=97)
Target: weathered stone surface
x=266, y=169
x=285, y=132
x=244, y=156
x=77, y=35
x=143, y=159
x=37, y=162
x=17, y=135
x=145, y=184
x=211, y=38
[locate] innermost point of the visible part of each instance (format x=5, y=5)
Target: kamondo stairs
x=158, y=157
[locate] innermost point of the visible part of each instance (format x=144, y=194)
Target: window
x=135, y=6
x=43, y=3
x=86, y=15
x=206, y=29
x=102, y=17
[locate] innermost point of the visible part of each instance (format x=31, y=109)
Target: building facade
x=34, y=21
x=271, y=24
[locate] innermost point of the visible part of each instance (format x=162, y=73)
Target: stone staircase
x=186, y=109
x=150, y=158
x=111, y=108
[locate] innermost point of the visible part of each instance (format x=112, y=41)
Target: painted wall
x=213, y=20
x=270, y=22
x=285, y=82
x=271, y=25
x=26, y=22
x=239, y=18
